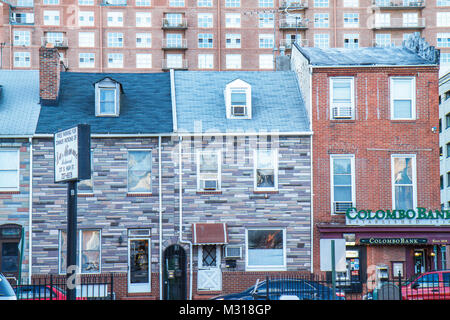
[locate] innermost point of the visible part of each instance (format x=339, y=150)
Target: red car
x=433, y=285
x=41, y=292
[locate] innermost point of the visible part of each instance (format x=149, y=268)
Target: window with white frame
x=205, y=40
x=86, y=39
x=351, y=40
x=208, y=170
x=174, y=60
x=107, y=98
x=342, y=182
x=238, y=100
x=382, y=20
x=404, y=193
x=115, y=39
x=143, y=40
x=266, y=3
x=442, y=3
x=57, y=38
x=22, y=59
x=86, y=2
x=86, y=18
x=205, y=61
x=87, y=186
x=443, y=19
x=115, y=19
x=410, y=19
x=322, y=40
x=232, y=3
x=9, y=169
x=445, y=58
x=88, y=251
x=139, y=171
x=351, y=3
x=115, y=60
x=143, y=3
x=443, y=40
x=266, y=61
x=25, y=3
x=233, y=40
x=204, y=3
x=144, y=60
x=403, y=98
x=266, y=20
x=351, y=20
x=342, y=100
x=143, y=19
x=50, y=2
x=176, y=3
x=51, y=17
x=266, y=169
x=86, y=60
x=266, y=41
x=232, y=20
x=233, y=61
x=205, y=20
x=265, y=248
x=383, y=40
x=321, y=20
x=321, y=3
x=22, y=38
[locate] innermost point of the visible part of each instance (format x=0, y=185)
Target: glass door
x=139, y=265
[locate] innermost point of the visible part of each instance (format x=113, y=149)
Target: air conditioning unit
x=342, y=207
x=342, y=112
x=238, y=110
x=208, y=184
x=233, y=252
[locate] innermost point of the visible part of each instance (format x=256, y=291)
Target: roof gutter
x=174, y=100
x=375, y=66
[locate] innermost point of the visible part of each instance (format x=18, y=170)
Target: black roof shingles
x=145, y=105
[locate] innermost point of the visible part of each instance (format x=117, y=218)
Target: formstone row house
x=203, y=182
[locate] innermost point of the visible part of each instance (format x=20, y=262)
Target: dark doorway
x=174, y=273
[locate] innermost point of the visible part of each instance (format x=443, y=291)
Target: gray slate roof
x=19, y=102
x=145, y=106
x=362, y=56
x=277, y=104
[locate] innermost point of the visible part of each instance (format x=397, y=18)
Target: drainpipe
x=30, y=212
x=180, y=139
x=160, y=221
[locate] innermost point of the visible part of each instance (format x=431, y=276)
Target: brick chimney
x=49, y=75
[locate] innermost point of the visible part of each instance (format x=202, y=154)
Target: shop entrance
x=419, y=261
x=174, y=270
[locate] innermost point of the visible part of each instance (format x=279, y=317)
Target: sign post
x=333, y=268
x=72, y=149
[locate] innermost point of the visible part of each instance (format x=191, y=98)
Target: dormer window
x=107, y=98
x=238, y=100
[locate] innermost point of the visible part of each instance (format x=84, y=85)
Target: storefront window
x=403, y=181
x=265, y=248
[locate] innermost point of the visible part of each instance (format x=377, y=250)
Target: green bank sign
x=420, y=216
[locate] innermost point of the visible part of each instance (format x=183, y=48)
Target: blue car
x=285, y=289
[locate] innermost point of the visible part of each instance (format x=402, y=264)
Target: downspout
x=181, y=218
x=30, y=212
x=160, y=221
x=311, y=166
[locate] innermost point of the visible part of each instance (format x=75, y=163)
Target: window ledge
x=209, y=192
x=86, y=195
x=140, y=194
x=403, y=121
x=265, y=191
x=10, y=192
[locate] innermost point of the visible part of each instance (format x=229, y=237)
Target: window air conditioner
x=342, y=112
x=341, y=207
x=208, y=184
x=233, y=252
x=238, y=110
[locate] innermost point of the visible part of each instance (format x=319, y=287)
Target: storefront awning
x=209, y=233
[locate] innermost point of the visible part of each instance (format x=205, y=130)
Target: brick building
x=150, y=36
x=375, y=117
x=235, y=208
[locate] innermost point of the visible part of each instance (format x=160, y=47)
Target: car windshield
x=5, y=288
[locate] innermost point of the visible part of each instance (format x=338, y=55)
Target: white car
x=6, y=291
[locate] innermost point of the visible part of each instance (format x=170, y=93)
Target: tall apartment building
x=444, y=138
x=155, y=35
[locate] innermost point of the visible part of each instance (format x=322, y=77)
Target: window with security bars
x=209, y=256
x=342, y=183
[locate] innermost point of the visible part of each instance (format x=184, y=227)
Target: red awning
x=209, y=233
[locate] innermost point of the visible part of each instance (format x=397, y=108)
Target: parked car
x=41, y=292
x=285, y=289
x=432, y=285
x=6, y=291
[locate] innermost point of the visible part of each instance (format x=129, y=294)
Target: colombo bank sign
x=421, y=216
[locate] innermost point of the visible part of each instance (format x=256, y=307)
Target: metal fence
x=322, y=288
x=54, y=287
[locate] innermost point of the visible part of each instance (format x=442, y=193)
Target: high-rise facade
x=155, y=35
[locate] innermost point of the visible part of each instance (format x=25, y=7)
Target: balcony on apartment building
x=20, y=3
x=178, y=64
x=399, y=23
x=287, y=43
x=399, y=4
x=174, y=44
x=170, y=24
x=21, y=18
x=386, y=43
x=113, y=2
x=61, y=42
x=293, y=24
x=294, y=4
